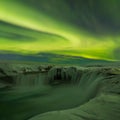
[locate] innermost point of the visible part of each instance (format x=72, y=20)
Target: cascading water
x=26, y=85
x=82, y=82
x=60, y=88
x=83, y=86
x=30, y=80
x=86, y=84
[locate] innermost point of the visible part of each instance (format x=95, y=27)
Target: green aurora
x=86, y=28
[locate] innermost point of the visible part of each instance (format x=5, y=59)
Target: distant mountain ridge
x=52, y=59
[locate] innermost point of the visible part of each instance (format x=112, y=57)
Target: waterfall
x=84, y=81
x=27, y=85
x=30, y=81
x=60, y=88
x=82, y=86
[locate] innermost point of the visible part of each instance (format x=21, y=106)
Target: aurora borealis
x=86, y=28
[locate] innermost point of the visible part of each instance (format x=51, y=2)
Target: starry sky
x=85, y=28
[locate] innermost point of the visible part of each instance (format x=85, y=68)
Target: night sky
x=85, y=28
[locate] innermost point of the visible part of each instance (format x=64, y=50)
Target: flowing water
x=33, y=94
